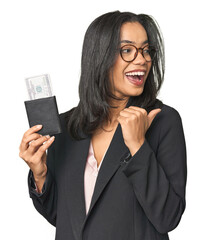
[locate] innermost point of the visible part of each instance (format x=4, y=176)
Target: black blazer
x=135, y=198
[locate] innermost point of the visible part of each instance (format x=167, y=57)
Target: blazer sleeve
x=159, y=180
x=45, y=202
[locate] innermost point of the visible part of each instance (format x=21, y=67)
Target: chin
x=137, y=92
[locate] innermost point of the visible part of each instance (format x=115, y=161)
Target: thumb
x=152, y=115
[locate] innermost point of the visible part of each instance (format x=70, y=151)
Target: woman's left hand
x=134, y=123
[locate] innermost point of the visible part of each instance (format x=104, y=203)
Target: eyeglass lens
x=129, y=53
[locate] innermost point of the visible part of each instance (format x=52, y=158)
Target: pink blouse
x=90, y=176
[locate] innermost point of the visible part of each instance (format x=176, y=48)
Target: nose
x=139, y=59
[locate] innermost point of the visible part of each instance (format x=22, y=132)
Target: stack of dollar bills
x=39, y=86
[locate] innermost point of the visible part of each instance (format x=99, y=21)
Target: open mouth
x=135, y=76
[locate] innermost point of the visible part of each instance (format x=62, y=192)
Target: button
x=127, y=158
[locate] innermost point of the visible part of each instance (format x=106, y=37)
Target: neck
x=114, y=112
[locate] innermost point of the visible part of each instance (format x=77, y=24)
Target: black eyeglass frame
x=137, y=51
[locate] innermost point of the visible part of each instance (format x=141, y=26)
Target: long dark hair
x=99, y=53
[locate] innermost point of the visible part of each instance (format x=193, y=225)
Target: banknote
x=39, y=86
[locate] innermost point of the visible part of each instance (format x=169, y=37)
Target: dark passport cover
x=44, y=111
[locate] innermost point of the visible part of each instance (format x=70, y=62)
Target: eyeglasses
x=130, y=52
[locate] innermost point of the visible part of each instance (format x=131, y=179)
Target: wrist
x=135, y=147
x=39, y=182
x=40, y=177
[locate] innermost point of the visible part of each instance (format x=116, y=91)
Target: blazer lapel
x=74, y=184
x=115, y=154
x=78, y=153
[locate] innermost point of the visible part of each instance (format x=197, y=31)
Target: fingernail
x=47, y=136
x=51, y=138
x=38, y=126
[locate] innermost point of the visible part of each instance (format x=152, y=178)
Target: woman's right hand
x=33, y=151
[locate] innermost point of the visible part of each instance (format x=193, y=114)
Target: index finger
x=32, y=130
x=139, y=109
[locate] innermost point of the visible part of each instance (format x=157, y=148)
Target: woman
x=118, y=170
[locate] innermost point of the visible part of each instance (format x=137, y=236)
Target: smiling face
x=126, y=83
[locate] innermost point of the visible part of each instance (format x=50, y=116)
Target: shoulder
x=64, y=116
x=165, y=128
x=166, y=110
x=169, y=116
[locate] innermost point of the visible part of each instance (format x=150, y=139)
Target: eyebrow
x=128, y=41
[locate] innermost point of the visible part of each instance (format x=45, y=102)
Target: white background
x=46, y=36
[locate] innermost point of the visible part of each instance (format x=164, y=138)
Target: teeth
x=135, y=73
